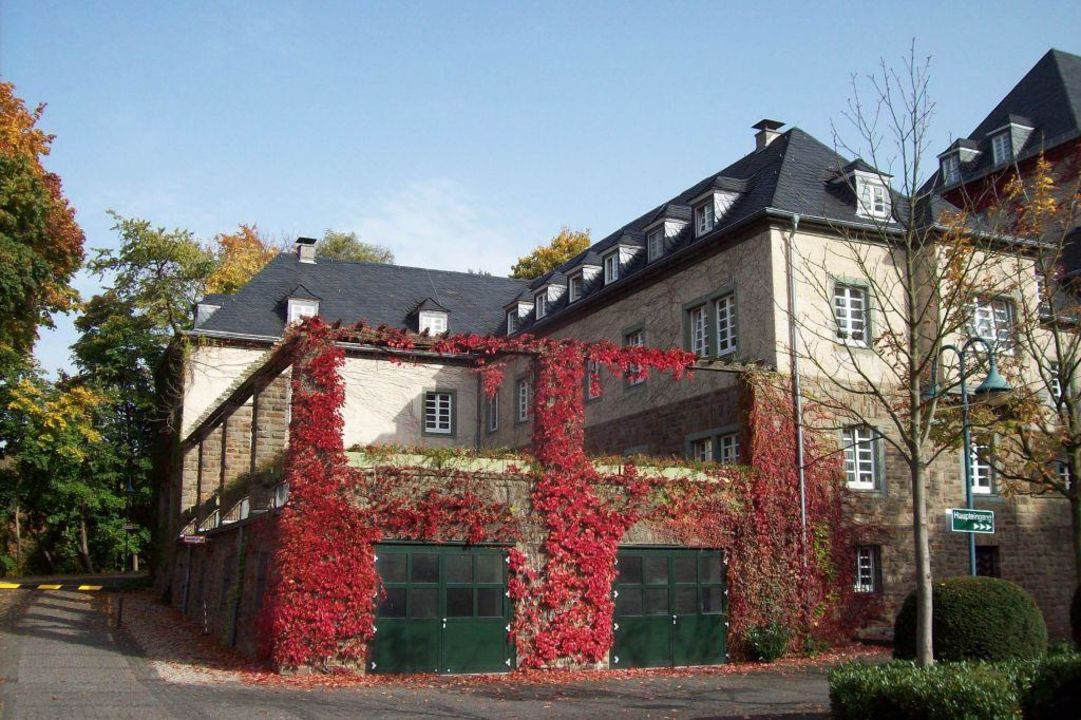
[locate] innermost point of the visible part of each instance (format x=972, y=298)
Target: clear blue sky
x=461, y=134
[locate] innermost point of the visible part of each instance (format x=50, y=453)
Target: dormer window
x=1001, y=148
x=655, y=244
x=512, y=321
x=705, y=217
x=611, y=268
x=540, y=303
x=433, y=323
x=951, y=169
x=574, y=287
x=874, y=197
x=300, y=308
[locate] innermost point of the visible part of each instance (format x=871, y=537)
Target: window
x=850, y=312
x=987, y=561
x=634, y=338
x=1001, y=150
x=868, y=568
x=1043, y=303
x=951, y=169
x=699, y=341
x=873, y=198
x=655, y=244
x=981, y=469
x=705, y=217
x=300, y=308
x=540, y=303
x=992, y=320
x=593, y=380
x=724, y=310
x=1064, y=473
x=435, y=323
x=574, y=288
x=728, y=449
x=523, y=400
x=512, y=322
x=702, y=449
x=861, y=463
x=439, y=413
x=1054, y=383
x=611, y=268
x=493, y=413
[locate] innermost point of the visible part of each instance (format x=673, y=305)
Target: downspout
x=797, y=394
x=480, y=412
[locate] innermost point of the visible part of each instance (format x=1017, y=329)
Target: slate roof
x=795, y=173
x=376, y=293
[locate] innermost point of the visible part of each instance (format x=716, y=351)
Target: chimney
x=768, y=131
x=306, y=249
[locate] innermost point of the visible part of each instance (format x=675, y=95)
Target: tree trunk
x=924, y=643
x=1075, y=521
x=18, y=542
x=84, y=546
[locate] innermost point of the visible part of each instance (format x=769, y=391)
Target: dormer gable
x=711, y=205
x=205, y=308
x=956, y=159
x=871, y=188
x=1008, y=140
x=300, y=303
x=580, y=276
x=430, y=317
x=667, y=223
x=616, y=258
x=549, y=290
x=516, y=311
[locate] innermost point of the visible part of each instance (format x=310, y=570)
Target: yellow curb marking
x=90, y=587
x=49, y=587
x=9, y=586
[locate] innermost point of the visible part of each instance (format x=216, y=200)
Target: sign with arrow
x=972, y=521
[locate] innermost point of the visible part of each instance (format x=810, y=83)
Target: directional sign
x=193, y=539
x=972, y=521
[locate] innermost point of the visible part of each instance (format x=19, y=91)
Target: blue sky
x=461, y=134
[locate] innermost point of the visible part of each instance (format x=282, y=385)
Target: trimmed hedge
x=975, y=618
x=903, y=691
x=1075, y=616
x=1054, y=692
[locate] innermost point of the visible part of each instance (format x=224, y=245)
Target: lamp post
x=993, y=384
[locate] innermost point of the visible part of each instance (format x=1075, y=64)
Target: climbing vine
x=324, y=587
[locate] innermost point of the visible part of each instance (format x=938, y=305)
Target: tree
x=545, y=258
x=1040, y=450
x=348, y=247
x=240, y=255
x=41, y=245
x=919, y=276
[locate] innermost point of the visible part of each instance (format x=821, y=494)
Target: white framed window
x=981, y=469
x=611, y=268
x=724, y=313
x=874, y=199
x=593, y=380
x=523, y=396
x=699, y=339
x=512, y=322
x=850, y=313
x=861, y=459
x=992, y=320
x=574, y=288
x=951, y=169
x=1043, y=303
x=1001, y=148
x=868, y=559
x=540, y=303
x=1064, y=473
x=435, y=323
x=702, y=449
x=1054, y=383
x=728, y=449
x=705, y=217
x=635, y=338
x=493, y=413
x=655, y=244
x=300, y=308
x=439, y=413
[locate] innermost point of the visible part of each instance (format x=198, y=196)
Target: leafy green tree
x=561, y=248
x=347, y=246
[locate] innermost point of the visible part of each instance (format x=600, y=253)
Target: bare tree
x=874, y=302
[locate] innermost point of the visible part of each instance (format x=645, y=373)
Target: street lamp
x=994, y=384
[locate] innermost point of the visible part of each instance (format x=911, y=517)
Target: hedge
x=975, y=618
x=1054, y=691
x=1075, y=616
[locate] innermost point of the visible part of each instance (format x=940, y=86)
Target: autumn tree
x=346, y=246
x=240, y=255
x=41, y=245
x=545, y=258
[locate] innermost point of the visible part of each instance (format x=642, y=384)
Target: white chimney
x=306, y=249
x=768, y=131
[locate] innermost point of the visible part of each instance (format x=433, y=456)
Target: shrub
x=1054, y=690
x=975, y=618
x=1075, y=616
x=902, y=691
x=768, y=642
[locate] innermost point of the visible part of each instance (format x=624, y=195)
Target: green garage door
x=670, y=608
x=445, y=610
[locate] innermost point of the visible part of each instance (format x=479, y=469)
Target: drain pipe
x=797, y=395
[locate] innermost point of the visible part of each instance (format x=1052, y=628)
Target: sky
x=462, y=134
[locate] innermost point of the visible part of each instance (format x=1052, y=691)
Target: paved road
x=59, y=658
